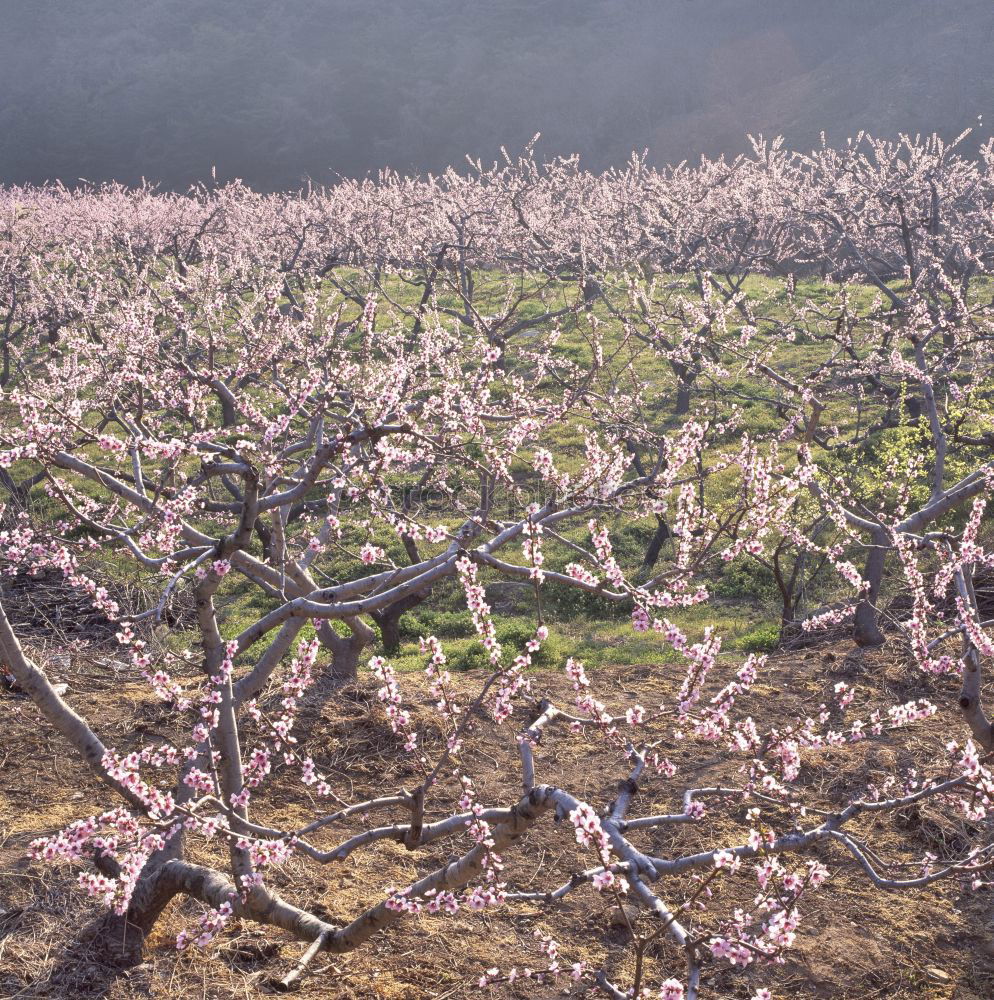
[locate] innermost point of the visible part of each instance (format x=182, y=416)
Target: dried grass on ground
x=854, y=942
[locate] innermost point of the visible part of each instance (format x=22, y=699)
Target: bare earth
x=854, y=941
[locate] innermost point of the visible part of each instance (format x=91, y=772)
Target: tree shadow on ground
x=104, y=951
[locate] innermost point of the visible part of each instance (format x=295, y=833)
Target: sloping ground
x=854, y=941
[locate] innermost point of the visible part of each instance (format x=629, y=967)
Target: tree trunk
x=265, y=536
x=787, y=613
x=655, y=546
x=345, y=650
x=389, y=621
x=866, y=628
x=229, y=416
x=388, y=618
x=390, y=633
x=789, y=595
x=151, y=896
x=684, y=383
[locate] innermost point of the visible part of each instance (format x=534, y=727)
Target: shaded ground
x=854, y=941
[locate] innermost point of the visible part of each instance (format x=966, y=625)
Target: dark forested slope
x=273, y=90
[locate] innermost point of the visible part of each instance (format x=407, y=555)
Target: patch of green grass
x=764, y=638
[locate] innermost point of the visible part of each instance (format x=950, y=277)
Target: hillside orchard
x=296, y=420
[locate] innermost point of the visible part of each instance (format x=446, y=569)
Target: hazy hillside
x=926, y=67
x=273, y=90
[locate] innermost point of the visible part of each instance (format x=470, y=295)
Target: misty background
x=275, y=91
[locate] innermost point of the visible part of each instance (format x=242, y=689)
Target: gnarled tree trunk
x=388, y=620
x=345, y=650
